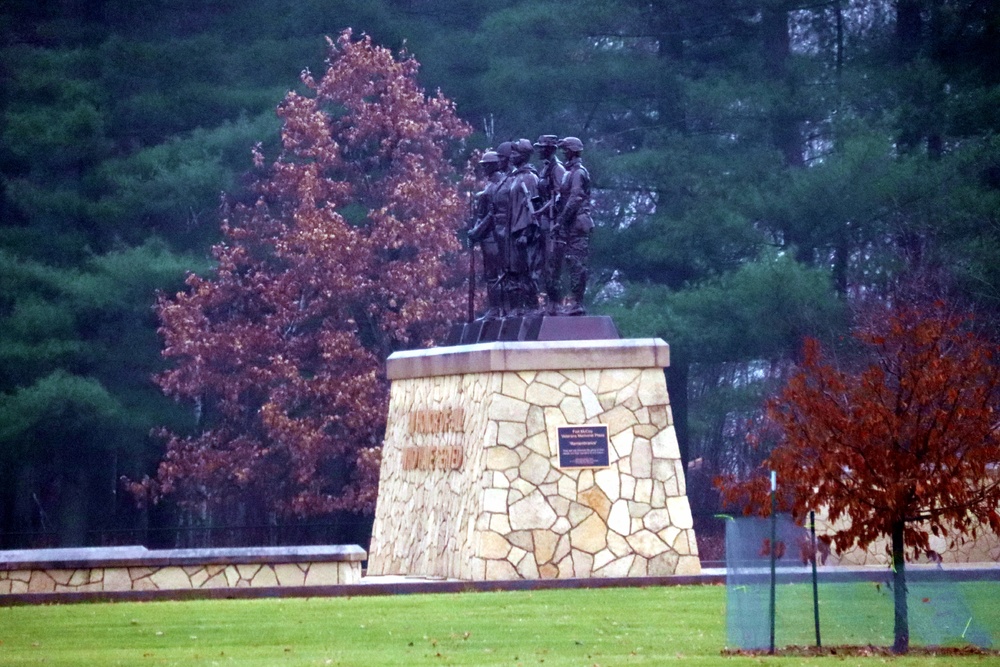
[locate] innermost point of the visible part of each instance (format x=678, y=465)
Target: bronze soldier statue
x=501, y=203
x=549, y=181
x=571, y=230
x=524, y=230
x=484, y=232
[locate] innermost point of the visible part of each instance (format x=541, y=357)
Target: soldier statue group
x=530, y=225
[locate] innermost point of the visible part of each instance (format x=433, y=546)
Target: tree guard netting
x=855, y=603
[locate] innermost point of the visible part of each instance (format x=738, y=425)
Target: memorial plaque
x=583, y=446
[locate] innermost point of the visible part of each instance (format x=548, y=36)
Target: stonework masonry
x=490, y=502
x=114, y=569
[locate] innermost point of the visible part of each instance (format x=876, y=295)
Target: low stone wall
x=472, y=487
x=116, y=569
x=947, y=548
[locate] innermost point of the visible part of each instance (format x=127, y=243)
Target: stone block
x=688, y=565
x=665, y=445
x=511, y=434
x=619, y=520
x=61, y=577
x=617, y=568
x=501, y=458
x=545, y=545
x=664, y=564
x=535, y=423
x=543, y=395
x=639, y=567
x=247, y=570
x=590, y=536
x=570, y=388
x=645, y=430
x=565, y=566
x=622, y=443
x=591, y=404
x=562, y=526
x=572, y=410
x=522, y=539
x=551, y=378
x=323, y=574
x=500, y=570
x=637, y=510
x=80, y=577
x=167, y=578
x=609, y=482
x=198, y=577
x=527, y=568
x=513, y=386
x=41, y=582
x=644, y=490
x=289, y=574
x=507, y=409
x=616, y=379
x=646, y=543
x=618, y=419
x=680, y=512
x=492, y=546
x=561, y=505
x=656, y=520
x=535, y=468
x=641, y=459
x=499, y=523
x=583, y=563
x=495, y=500
x=120, y=579
x=595, y=498
x=532, y=512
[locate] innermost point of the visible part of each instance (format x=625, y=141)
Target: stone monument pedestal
x=525, y=460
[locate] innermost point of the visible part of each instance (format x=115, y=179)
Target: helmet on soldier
x=504, y=149
x=571, y=144
x=524, y=147
x=489, y=157
x=547, y=140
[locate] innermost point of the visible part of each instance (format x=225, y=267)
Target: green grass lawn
x=621, y=626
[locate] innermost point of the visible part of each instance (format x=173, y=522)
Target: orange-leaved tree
x=346, y=253
x=904, y=446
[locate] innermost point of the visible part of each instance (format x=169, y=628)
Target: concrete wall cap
x=549, y=355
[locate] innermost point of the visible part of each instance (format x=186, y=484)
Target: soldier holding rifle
x=549, y=181
x=571, y=231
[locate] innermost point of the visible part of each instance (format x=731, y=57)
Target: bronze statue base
x=533, y=328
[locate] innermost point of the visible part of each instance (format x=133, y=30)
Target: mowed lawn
x=621, y=626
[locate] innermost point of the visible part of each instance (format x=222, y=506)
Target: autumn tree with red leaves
x=346, y=254
x=904, y=447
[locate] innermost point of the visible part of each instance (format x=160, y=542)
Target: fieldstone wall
x=471, y=486
x=137, y=569
x=985, y=548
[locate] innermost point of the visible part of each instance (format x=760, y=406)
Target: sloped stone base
x=471, y=486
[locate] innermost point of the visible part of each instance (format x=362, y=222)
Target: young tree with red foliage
x=347, y=254
x=905, y=447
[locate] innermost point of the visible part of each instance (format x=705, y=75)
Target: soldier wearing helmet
x=524, y=231
x=484, y=231
x=571, y=231
x=549, y=181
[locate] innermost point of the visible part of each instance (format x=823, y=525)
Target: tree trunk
x=901, y=628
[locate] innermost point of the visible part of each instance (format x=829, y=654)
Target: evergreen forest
x=761, y=170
